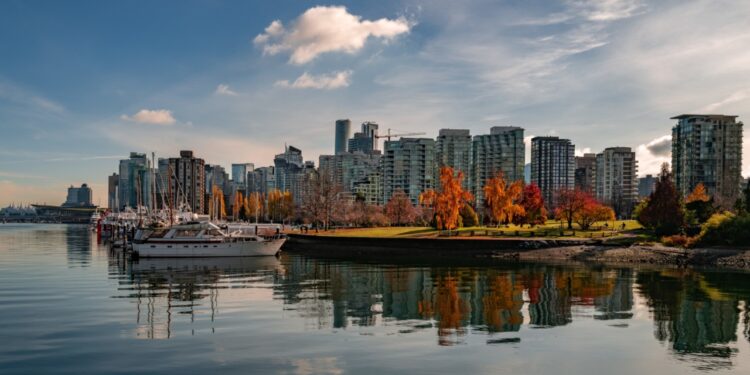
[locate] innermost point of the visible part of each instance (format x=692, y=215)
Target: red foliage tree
x=569, y=203
x=533, y=205
x=591, y=212
x=399, y=209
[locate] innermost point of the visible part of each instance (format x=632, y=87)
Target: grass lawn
x=550, y=229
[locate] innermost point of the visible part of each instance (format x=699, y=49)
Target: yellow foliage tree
x=217, y=208
x=503, y=200
x=238, y=203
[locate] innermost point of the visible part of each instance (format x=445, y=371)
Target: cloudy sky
x=84, y=83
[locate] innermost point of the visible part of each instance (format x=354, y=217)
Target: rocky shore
x=636, y=254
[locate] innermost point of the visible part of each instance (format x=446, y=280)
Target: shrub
x=726, y=229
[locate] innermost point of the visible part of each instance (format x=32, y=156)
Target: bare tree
x=321, y=198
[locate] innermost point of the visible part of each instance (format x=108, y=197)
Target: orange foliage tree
x=238, y=206
x=698, y=194
x=503, y=200
x=448, y=202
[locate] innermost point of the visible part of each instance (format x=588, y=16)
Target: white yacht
x=204, y=239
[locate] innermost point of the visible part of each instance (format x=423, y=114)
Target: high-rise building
x=552, y=166
x=135, y=182
x=290, y=172
x=112, y=183
x=216, y=175
x=708, y=149
x=585, y=175
x=503, y=151
x=79, y=196
x=646, y=186
x=348, y=169
x=239, y=173
x=185, y=180
x=616, y=179
x=261, y=180
x=343, y=133
x=365, y=141
x=453, y=149
x=409, y=166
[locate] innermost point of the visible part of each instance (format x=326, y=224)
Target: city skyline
x=230, y=82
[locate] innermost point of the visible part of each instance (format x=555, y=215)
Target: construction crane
x=389, y=135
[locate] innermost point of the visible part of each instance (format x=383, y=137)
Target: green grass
x=550, y=229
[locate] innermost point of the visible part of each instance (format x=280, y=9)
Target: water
x=68, y=305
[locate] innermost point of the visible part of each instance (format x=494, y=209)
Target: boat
x=204, y=239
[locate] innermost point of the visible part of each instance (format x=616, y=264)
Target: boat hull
x=202, y=250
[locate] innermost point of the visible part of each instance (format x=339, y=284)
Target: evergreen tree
x=664, y=212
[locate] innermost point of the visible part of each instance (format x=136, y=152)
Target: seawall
x=390, y=246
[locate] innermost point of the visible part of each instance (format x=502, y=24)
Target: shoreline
x=587, y=251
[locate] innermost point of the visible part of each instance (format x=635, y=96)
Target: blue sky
x=84, y=83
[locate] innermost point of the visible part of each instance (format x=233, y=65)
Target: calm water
x=68, y=305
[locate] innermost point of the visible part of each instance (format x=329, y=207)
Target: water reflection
x=698, y=314
x=166, y=289
x=79, y=242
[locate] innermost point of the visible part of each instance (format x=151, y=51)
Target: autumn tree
x=699, y=205
x=469, y=217
x=254, y=204
x=591, y=212
x=238, y=206
x=322, y=196
x=448, y=202
x=217, y=208
x=399, y=209
x=280, y=205
x=663, y=212
x=569, y=203
x=503, y=200
x=533, y=205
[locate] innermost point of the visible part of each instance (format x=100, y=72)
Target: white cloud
x=223, y=89
x=735, y=97
x=582, y=151
x=652, y=155
x=330, y=81
x=151, y=116
x=323, y=29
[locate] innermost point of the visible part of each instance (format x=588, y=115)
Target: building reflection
x=698, y=320
x=78, y=239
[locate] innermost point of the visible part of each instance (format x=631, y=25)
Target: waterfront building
x=409, y=166
x=135, y=182
x=112, y=183
x=185, y=180
x=343, y=133
x=552, y=166
x=646, y=186
x=707, y=149
x=261, y=180
x=365, y=141
x=585, y=174
x=453, y=149
x=503, y=151
x=349, y=168
x=79, y=196
x=616, y=179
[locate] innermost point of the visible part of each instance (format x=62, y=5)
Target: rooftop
x=713, y=117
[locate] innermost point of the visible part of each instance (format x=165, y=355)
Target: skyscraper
x=708, y=149
x=79, y=196
x=366, y=140
x=646, y=186
x=343, y=133
x=552, y=166
x=134, y=183
x=239, y=173
x=348, y=169
x=585, y=175
x=112, y=183
x=616, y=179
x=185, y=180
x=503, y=151
x=290, y=171
x=453, y=149
x=408, y=166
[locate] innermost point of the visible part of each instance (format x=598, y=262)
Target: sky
x=84, y=83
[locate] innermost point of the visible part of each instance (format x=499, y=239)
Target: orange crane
x=389, y=135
